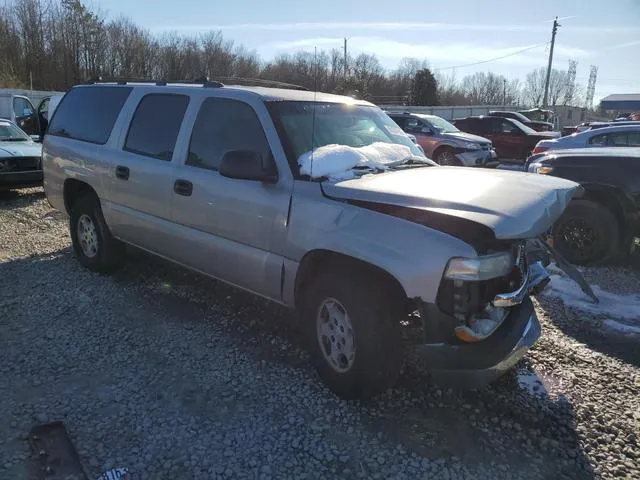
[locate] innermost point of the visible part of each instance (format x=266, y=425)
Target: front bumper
x=474, y=365
x=476, y=158
x=27, y=178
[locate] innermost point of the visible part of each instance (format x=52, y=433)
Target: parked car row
x=21, y=131
x=443, y=142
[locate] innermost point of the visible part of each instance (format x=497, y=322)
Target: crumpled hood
x=20, y=149
x=466, y=137
x=514, y=205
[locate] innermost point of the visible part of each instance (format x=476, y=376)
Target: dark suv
x=605, y=221
x=512, y=140
x=537, y=125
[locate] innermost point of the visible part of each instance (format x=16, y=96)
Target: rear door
x=141, y=174
x=232, y=229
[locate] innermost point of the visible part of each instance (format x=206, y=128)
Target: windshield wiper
x=412, y=161
x=13, y=139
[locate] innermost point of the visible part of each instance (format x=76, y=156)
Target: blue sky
x=445, y=33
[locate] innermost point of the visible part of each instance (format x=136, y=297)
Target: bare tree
x=59, y=43
x=559, y=89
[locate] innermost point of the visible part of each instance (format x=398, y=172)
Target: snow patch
x=338, y=161
x=531, y=383
x=611, y=304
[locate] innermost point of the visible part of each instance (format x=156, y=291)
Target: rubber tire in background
x=604, y=225
x=111, y=252
x=453, y=161
x=376, y=325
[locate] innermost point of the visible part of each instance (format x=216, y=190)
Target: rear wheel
x=446, y=156
x=586, y=233
x=93, y=243
x=354, y=333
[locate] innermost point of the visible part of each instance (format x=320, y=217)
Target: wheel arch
x=73, y=190
x=318, y=260
x=610, y=198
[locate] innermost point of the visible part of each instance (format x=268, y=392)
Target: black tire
x=586, y=233
x=109, y=252
x=446, y=156
x=376, y=332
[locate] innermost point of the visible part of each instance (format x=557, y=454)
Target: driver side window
x=413, y=125
x=507, y=127
x=225, y=124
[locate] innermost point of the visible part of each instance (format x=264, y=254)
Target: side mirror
x=36, y=138
x=246, y=165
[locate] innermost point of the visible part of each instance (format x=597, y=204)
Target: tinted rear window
x=155, y=125
x=88, y=113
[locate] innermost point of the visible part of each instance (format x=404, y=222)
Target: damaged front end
x=479, y=292
x=483, y=320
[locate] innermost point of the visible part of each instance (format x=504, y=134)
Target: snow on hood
x=337, y=162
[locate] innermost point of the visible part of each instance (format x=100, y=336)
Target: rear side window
x=401, y=121
x=155, y=125
x=598, y=139
x=222, y=125
x=480, y=125
x=88, y=113
x=633, y=139
x=617, y=139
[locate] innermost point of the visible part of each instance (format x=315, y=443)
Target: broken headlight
x=479, y=268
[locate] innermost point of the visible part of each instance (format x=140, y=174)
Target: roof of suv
x=267, y=93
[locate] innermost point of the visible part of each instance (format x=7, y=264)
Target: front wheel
x=586, y=233
x=447, y=156
x=355, y=341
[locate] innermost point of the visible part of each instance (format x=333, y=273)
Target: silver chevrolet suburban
x=315, y=201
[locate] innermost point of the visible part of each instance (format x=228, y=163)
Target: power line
x=493, y=59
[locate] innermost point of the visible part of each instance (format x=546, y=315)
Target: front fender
x=414, y=255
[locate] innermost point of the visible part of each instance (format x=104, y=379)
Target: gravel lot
x=173, y=376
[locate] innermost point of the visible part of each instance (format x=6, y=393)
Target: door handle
x=122, y=172
x=183, y=187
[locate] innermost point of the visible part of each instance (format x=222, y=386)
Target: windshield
x=441, y=124
x=523, y=127
x=302, y=123
x=11, y=133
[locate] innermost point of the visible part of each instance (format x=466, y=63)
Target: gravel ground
x=173, y=376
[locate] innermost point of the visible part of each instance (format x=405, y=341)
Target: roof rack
x=204, y=81
x=261, y=82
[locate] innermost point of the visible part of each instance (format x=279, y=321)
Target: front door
x=507, y=139
x=235, y=229
x=424, y=133
x=26, y=117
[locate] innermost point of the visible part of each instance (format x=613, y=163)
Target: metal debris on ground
x=54, y=454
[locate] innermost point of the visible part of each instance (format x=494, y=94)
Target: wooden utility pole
x=546, y=82
x=504, y=91
x=346, y=70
